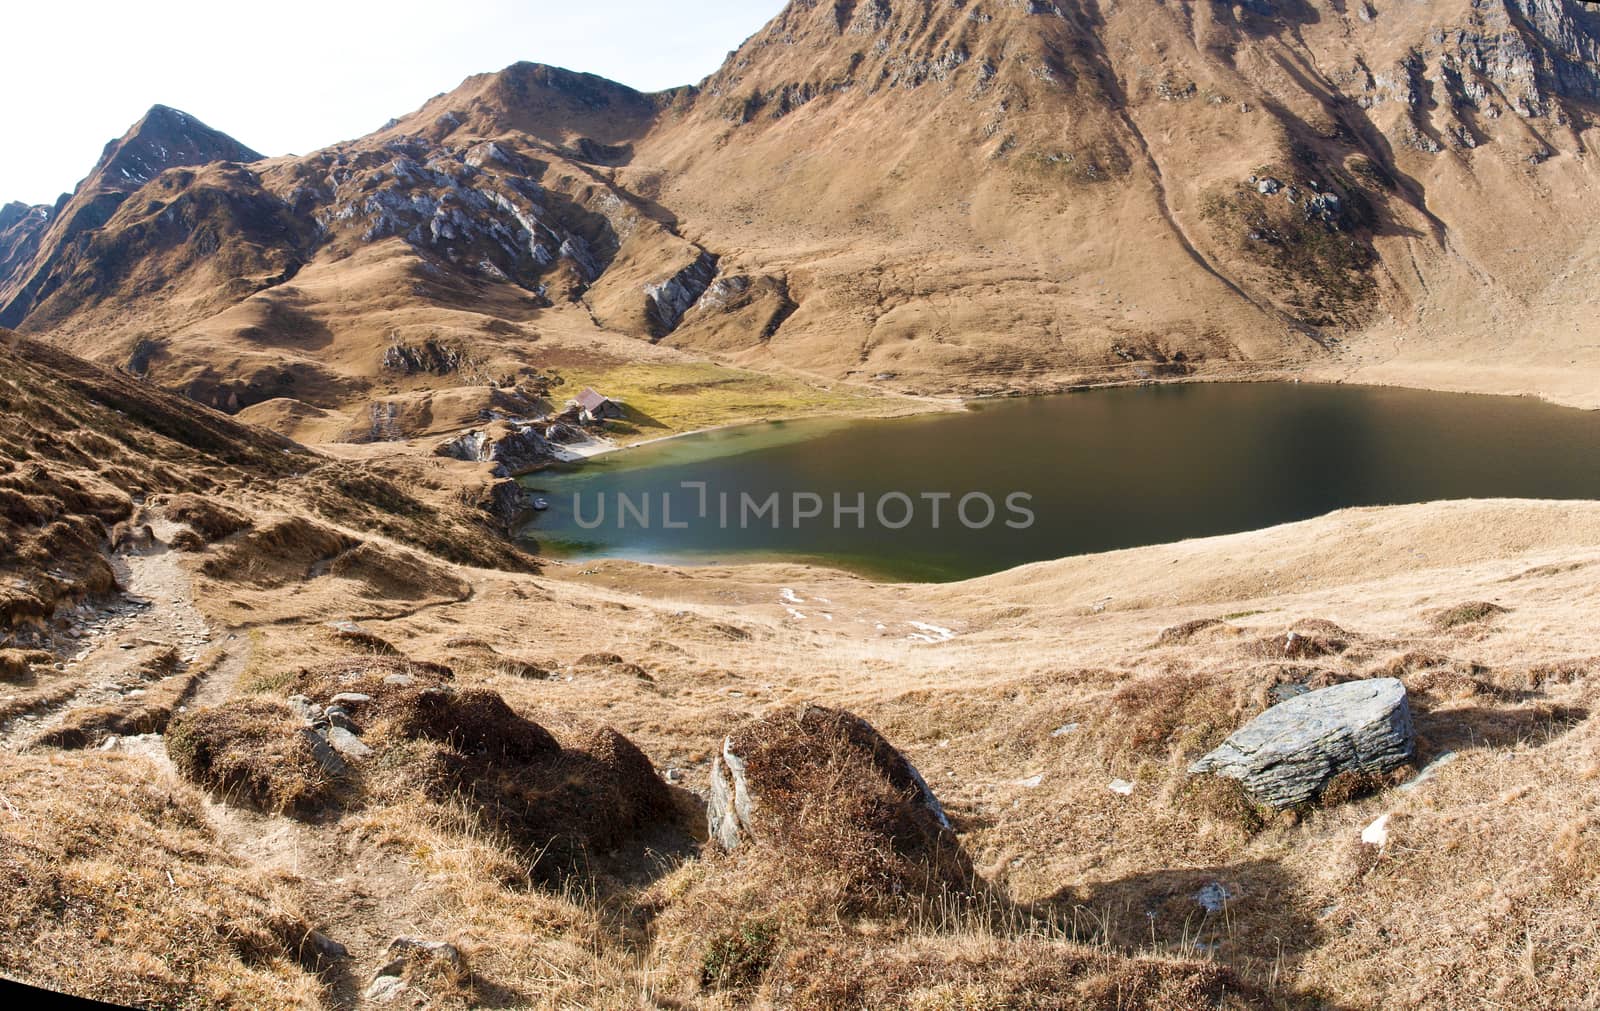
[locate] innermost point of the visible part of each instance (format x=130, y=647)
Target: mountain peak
x=163, y=138
x=552, y=103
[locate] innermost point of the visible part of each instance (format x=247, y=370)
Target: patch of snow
x=1064, y=730
x=788, y=596
x=929, y=633
x=796, y=615
x=1122, y=786
x=1030, y=782
x=1377, y=834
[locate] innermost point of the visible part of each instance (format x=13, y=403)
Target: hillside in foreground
x=266, y=711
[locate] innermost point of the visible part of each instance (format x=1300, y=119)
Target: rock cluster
x=514, y=449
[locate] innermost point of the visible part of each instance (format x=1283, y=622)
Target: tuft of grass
x=252, y=750
x=1465, y=614
x=737, y=958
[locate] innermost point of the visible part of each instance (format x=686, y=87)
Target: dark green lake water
x=1105, y=469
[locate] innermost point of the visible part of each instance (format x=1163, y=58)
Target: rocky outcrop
x=769, y=767
x=478, y=205
x=509, y=503
x=515, y=450
x=1289, y=753
x=668, y=301
x=430, y=356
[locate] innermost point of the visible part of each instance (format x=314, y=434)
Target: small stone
x=1064, y=730
x=385, y=989
x=400, y=680
x=338, y=716
x=1213, y=898
x=304, y=708
x=324, y=753
x=404, y=950
x=1031, y=781
x=325, y=948
x=348, y=744
x=350, y=699
x=1122, y=786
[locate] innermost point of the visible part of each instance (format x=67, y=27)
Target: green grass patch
x=670, y=399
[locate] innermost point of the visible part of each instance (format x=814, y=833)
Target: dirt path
x=114, y=649
x=364, y=893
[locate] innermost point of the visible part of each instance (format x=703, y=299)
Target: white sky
x=293, y=75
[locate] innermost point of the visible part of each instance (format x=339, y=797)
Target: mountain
x=1003, y=191
x=62, y=250
x=976, y=196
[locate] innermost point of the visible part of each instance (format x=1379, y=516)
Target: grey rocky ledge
x=1288, y=754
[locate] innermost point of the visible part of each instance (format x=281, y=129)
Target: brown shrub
x=1445, y=619
x=558, y=797
x=1560, y=672
x=206, y=517
x=516, y=667
x=1306, y=640
x=1186, y=631
x=253, y=750
x=1352, y=785
x=1223, y=800
x=1151, y=715
x=837, y=800
x=1412, y=660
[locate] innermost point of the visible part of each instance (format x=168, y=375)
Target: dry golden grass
x=252, y=751
x=114, y=886
x=208, y=518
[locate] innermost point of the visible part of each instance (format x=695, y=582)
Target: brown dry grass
x=252, y=751
x=208, y=518
x=959, y=973
x=113, y=885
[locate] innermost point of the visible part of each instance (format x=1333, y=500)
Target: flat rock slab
x=1288, y=754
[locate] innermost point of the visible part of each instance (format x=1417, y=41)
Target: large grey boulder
x=1288, y=754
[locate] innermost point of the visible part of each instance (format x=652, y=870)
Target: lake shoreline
x=1133, y=466
x=958, y=405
